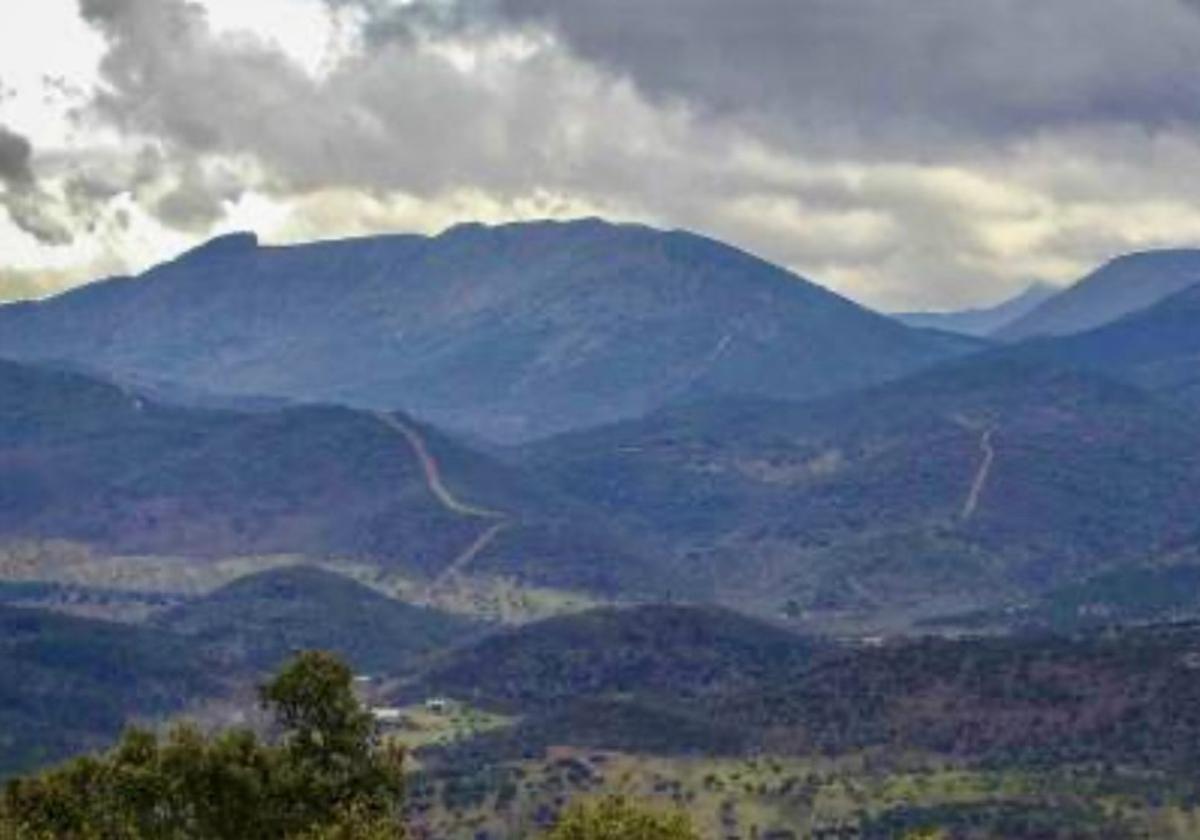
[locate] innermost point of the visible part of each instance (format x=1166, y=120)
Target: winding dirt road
x=437, y=487
x=433, y=472
x=981, y=475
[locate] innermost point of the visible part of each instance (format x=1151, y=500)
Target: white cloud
x=48, y=65
x=316, y=118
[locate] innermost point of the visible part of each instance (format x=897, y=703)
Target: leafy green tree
x=325, y=778
x=615, y=818
x=356, y=823
x=331, y=763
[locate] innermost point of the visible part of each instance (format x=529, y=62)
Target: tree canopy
x=616, y=818
x=323, y=776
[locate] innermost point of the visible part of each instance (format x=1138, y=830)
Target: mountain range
x=505, y=333
x=984, y=479
x=1120, y=287
x=816, y=460
x=1157, y=348
x=594, y=502
x=982, y=321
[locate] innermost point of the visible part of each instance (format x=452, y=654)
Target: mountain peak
x=581, y=226
x=229, y=244
x=1123, y=285
x=508, y=332
x=1155, y=255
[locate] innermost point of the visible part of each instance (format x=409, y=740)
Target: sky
x=910, y=155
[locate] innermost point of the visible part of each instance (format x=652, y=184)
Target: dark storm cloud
x=16, y=154
x=401, y=116
x=27, y=205
x=887, y=72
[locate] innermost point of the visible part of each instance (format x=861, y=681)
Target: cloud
x=432, y=114
x=882, y=77
x=27, y=205
x=16, y=152
x=20, y=284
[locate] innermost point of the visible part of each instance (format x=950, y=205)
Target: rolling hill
x=72, y=684
x=509, y=333
x=1122, y=597
x=677, y=679
x=262, y=619
x=985, y=480
x=1038, y=699
x=89, y=462
x=1120, y=287
x=642, y=678
x=656, y=652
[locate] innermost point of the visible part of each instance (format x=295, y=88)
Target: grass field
x=864, y=795
x=420, y=726
x=489, y=598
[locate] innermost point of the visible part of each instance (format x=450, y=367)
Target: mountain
x=1156, y=348
x=262, y=619
x=509, y=332
x=655, y=652
x=86, y=461
x=983, y=321
x=1118, y=288
x=640, y=678
x=980, y=482
x=72, y=684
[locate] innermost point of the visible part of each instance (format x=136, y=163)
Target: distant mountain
x=1118, y=288
x=1156, y=348
x=86, y=461
x=509, y=333
x=71, y=684
x=262, y=619
x=982, y=321
x=979, y=482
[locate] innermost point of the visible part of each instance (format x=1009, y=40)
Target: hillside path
x=433, y=472
x=437, y=487
x=981, y=475
x=460, y=563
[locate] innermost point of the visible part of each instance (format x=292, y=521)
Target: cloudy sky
x=924, y=153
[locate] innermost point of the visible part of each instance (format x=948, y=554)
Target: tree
x=325, y=777
x=615, y=818
x=332, y=764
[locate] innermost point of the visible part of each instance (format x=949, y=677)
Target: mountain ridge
x=89, y=462
x=508, y=332
x=1121, y=286
x=1157, y=348
x=982, y=321
x=990, y=477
